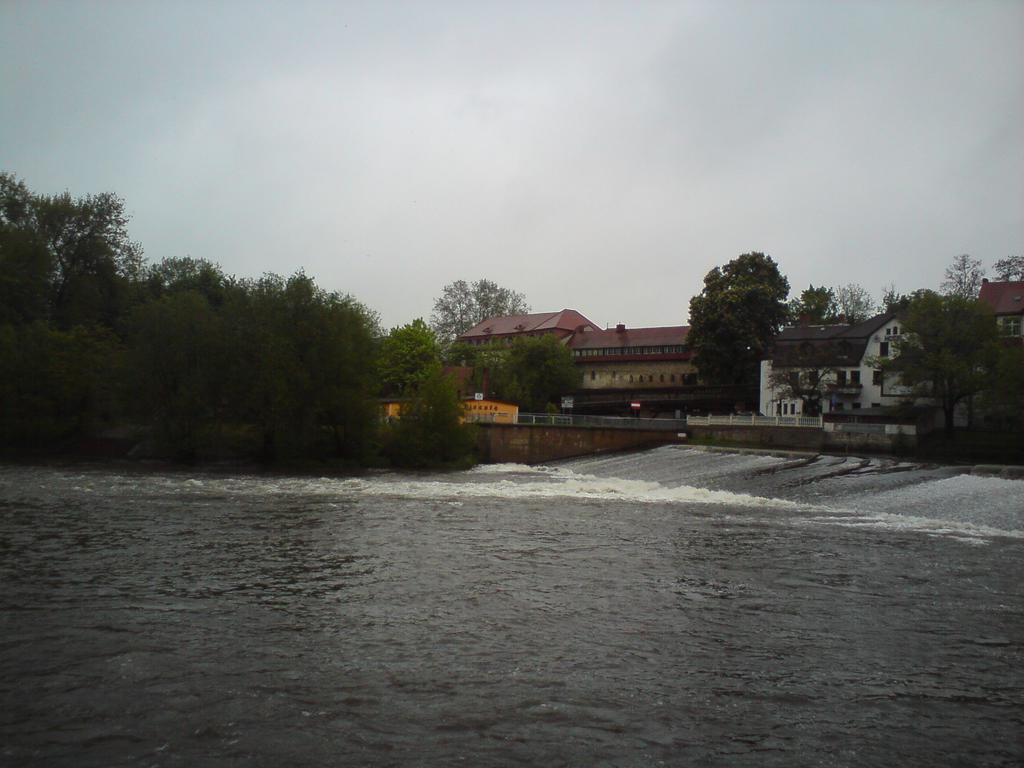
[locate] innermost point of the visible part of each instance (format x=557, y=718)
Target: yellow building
x=486, y=411
x=490, y=411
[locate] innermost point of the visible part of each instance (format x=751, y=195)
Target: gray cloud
x=596, y=156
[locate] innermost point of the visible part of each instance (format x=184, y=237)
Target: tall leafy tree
x=430, y=431
x=816, y=306
x=534, y=372
x=304, y=365
x=408, y=355
x=855, y=303
x=180, y=359
x=963, y=277
x=949, y=350
x=735, y=316
x=1010, y=268
x=90, y=259
x=462, y=305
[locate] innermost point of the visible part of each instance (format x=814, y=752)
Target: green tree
x=303, y=367
x=816, y=306
x=893, y=300
x=179, y=359
x=90, y=259
x=734, y=318
x=534, y=372
x=854, y=303
x=24, y=261
x=462, y=305
x=187, y=274
x=57, y=385
x=963, y=277
x=407, y=356
x=430, y=432
x=1010, y=268
x=949, y=350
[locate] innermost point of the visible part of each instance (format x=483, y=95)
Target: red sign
x=635, y=406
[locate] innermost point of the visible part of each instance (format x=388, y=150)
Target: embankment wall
x=521, y=444
x=805, y=439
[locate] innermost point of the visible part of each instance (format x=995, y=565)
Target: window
x=876, y=405
x=883, y=349
x=672, y=377
x=663, y=378
x=839, y=406
x=855, y=377
x=856, y=406
x=593, y=375
x=841, y=378
x=876, y=378
x=631, y=378
x=1010, y=326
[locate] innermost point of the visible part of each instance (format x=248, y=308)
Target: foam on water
x=525, y=482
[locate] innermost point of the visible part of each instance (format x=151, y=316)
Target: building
x=1007, y=301
x=836, y=368
x=635, y=358
x=474, y=409
x=490, y=411
x=645, y=372
x=503, y=330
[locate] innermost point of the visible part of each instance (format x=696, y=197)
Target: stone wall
x=807, y=439
x=522, y=444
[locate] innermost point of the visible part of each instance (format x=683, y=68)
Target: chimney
x=620, y=328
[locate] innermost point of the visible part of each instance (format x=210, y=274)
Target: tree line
x=92, y=336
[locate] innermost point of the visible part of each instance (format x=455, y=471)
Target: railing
x=612, y=422
x=754, y=420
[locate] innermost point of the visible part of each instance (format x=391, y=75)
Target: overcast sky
x=595, y=156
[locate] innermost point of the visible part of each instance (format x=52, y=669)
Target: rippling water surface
x=664, y=608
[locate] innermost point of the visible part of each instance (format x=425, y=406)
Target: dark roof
x=1005, y=298
x=826, y=344
x=567, y=320
x=664, y=336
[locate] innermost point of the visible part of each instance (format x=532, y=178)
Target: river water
x=672, y=607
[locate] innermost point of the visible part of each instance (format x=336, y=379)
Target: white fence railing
x=754, y=420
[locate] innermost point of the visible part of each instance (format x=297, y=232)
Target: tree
x=24, y=262
x=302, y=367
x=816, y=306
x=805, y=377
x=461, y=306
x=855, y=303
x=174, y=275
x=893, y=300
x=430, y=431
x=534, y=372
x=948, y=351
x=733, y=320
x=963, y=277
x=408, y=356
x=1010, y=268
x=90, y=258
x=179, y=356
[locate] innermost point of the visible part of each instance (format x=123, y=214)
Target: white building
x=843, y=358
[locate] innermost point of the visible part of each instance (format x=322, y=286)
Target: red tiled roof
x=631, y=337
x=567, y=320
x=1005, y=298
